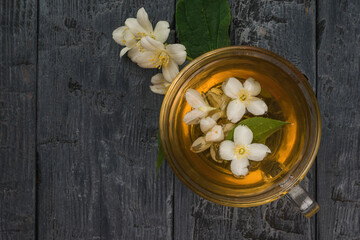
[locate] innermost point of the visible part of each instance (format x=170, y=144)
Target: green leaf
x=262, y=128
x=160, y=156
x=203, y=25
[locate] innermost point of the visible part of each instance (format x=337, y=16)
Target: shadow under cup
x=289, y=98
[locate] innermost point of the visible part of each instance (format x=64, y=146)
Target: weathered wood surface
x=287, y=28
x=338, y=175
x=97, y=124
x=17, y=118
x=97, y=127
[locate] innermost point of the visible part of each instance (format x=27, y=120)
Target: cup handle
x=303, y=201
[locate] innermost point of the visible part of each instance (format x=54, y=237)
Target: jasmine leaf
x=262, y=128
x=203, y=25
x=160, y=156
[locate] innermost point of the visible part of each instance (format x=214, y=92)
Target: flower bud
x=214, y=152
x=217, y=98
x=200, y=145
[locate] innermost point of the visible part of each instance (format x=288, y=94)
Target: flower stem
x=189, y=58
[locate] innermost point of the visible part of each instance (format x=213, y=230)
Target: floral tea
x=279, y=151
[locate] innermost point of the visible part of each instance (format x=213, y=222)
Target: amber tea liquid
x=284, y=102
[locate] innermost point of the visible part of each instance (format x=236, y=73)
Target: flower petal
x=243, y=135
x=177, y=53
x=216, y=134
x=134, y=54
x=206, y=124
x=216, y=116
x=235, y=110
x=123, y=51
x=129, y=39
x=239, y=167
x=252, y=86
x=118, y=35
x=151, y=44
x=158, y=79
x=232, y=87
x=143, y=19
x=143, y=59
x=257, y=106
x=194, y=98
x=162, y=31
x=194, y=116
x=170, y=71
x=158, y=88
x=134, y=26
x=258, y=151
x=226, y=150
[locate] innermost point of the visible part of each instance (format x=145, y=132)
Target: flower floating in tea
x=211, y=138
x=206, y=124
x=243, y=98
x=219, y=113
x=241, y=150
x=214, y=132
x=200, y=105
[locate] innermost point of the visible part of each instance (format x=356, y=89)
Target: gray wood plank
x=339, y=99
x=287, y=28
x=18, y=42
x=97, y=129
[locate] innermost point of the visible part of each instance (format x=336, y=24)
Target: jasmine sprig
x=146, y=47
x=245, y=140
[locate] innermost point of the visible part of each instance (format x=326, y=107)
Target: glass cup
x=294, y=148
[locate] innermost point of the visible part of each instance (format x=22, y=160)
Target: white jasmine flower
x=216, y=134
x=241, y=150
x=201, y=107
x=213, y=132
x=160, y=85
x=137, y=28
x=243, y=98
x=206, y=124
x=156, y=55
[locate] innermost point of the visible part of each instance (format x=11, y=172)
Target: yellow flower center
x=244, y=96
x=140, y=35
x=160, y=59
x=241, y=151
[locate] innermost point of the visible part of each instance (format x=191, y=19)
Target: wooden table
x=78, y=126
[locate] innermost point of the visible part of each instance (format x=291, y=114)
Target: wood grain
x=339, y=99
x=92, y=122
x=287, y=28
x=17, y=118
x=98, y=126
